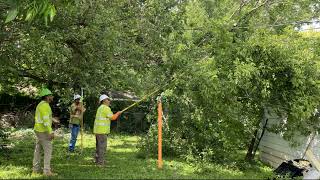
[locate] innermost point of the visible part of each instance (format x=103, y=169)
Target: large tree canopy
x=228, y=59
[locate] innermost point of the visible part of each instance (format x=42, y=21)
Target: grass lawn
x=122, y=162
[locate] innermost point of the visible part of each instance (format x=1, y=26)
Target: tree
x=220, y=63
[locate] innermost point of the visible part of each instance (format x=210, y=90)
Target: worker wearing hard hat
x=102, y=127
x=76, y=113
x=44, y=134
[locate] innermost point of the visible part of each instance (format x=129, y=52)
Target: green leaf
x=12, y=14
x=52, y=13
x=30, y=15
x=44, y=7
x=45, y=20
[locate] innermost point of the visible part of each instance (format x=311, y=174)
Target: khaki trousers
x=101, y=146
x=43, y=140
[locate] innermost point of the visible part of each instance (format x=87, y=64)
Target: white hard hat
x=103, y=97
x=77, y=96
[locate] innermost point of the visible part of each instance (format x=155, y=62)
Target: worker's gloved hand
x=51, y=136
x=70, y=126
x=116, y=115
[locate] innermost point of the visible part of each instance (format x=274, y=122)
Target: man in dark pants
x=102, y=127
x=76, y=112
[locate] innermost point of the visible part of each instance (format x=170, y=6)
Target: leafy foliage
x=218, y=63
x=30, y=10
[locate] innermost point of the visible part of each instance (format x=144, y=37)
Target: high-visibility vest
x=103, y=120
x=43, y=118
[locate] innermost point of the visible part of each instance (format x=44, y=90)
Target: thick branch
x=24, y=73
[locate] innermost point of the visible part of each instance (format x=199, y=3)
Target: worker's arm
x=70, y=115
x=80, y=108
x=112, y=116
x=83, y=109
x=73, y=109
x=70, y=118
x=115, y=116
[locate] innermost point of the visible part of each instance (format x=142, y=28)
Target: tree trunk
x=250, y=155
x=259, y=140
x=252, y=146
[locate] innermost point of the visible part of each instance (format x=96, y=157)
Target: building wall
x=274, y=149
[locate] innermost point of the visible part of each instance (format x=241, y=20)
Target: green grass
x=122, y=162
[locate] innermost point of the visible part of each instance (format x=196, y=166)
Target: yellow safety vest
x=43, y=118
x=103, y=120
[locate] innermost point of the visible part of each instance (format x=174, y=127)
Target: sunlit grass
x=122, y=162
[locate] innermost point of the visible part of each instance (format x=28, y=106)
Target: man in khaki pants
x=43, y=131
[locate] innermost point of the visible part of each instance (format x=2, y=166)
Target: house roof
x=123, y=96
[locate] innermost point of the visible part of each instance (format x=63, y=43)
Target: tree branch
x=253, y=10
x=24, y=73
x=238, y=11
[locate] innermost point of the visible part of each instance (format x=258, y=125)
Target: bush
x=172, y=145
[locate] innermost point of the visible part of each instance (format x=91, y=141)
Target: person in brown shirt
x=76, y=113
